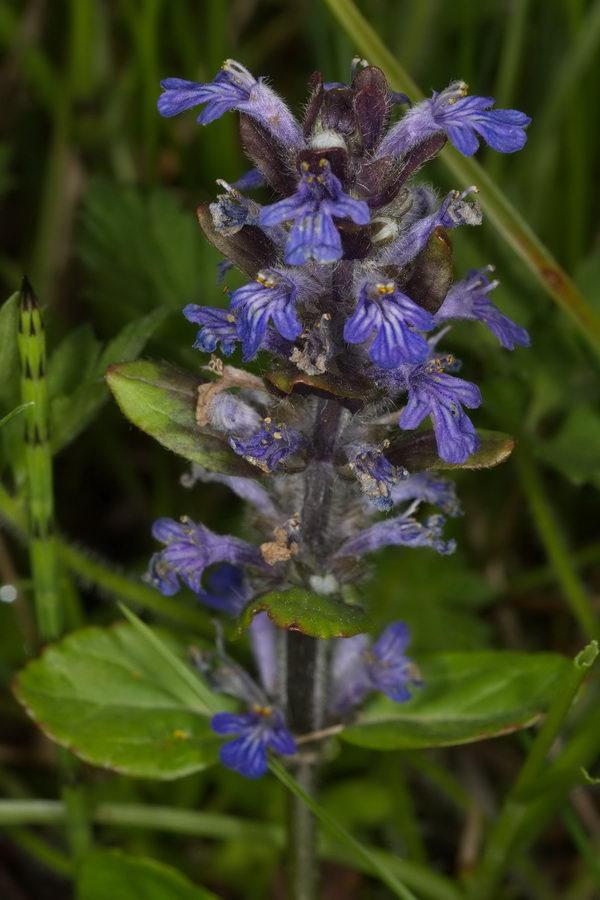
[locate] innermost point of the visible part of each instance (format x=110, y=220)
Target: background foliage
x=98, y=195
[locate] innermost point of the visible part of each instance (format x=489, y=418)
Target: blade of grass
x=184, y=673
x=509, y=223
x=377, y=866
x=219, y=826
x=497, y=853
x=41, y=851
x=14, y=412
x=586, y=850
x=555, y=546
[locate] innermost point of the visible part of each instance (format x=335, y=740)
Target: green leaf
x=110, y=873
x=466, y=697
x=161, y=400
x=9, y=357
x=74, y=409
x=106, y=695
x=312, y=614
x=131, y=340
x=418, y=452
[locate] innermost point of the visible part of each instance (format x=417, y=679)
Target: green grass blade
x=374, y=862
x=508, y=222
x=497, y=853
x=14, y=412
x=179, y=669
x=218, y=826
x=555, y=546
x=38, y=465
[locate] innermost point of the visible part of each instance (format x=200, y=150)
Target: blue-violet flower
x=394, y=319
x=462, y=118
x=317, y=200
x=468, y=299
x=261, y=729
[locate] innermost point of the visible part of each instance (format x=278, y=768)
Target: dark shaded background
x=98, y=197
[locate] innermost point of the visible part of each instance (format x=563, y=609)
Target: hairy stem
x=306, y=657
x=301, y=837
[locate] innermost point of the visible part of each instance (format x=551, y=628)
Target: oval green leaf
x=465, y=697
x=418, y=452
x=312, y=614
x=110, y=873
x=103, y=693
x=161, y=400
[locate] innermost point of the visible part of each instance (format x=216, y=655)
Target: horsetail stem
x=38, y=465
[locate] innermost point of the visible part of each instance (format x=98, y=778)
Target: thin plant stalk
x=555, y=546
x=42, y=543
x=38, y=466
x=502, y=837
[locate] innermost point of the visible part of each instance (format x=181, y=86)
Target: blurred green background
x=98, y=196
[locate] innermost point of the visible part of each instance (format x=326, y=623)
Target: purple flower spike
x=432, y=392
x=374, y=473
x=402, y=531
x=272, y=297
x=270, y=446
x=189, y=550
x=395, y=320
x=455, y=210
x=463, y=119
x=317, y=200
x=468, y=299
x=261, y=729
x=234, y=87
x=359, y=668
x=430, y=489
x=217, y=326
